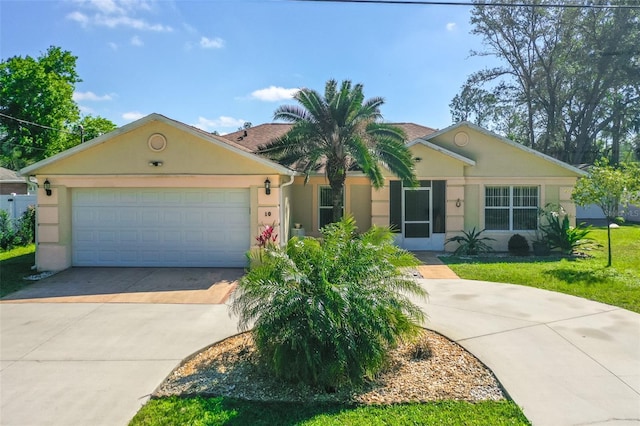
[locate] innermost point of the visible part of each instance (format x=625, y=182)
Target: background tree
x=610, y=188
x=570, y=75
x=338, y=132
x=90, y=127
x=38, y=116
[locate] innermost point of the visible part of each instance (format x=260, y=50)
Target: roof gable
x=118, y=135
x=436, y=138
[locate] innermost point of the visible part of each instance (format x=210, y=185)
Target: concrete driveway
x=88, y=345
x=564, y=360
x=95, y=363
x=132, y=285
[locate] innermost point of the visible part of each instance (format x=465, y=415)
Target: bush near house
x=17, y=233
x=326, y=311
x=558, y=232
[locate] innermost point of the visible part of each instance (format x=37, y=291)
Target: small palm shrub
x=518, y=245
x=471, y=243
x=559, y=234
x=326, y=311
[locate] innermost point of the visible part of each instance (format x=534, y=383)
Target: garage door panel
x=156, y=227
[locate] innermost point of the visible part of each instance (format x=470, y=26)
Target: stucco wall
x=306, y=198
x=496, y=158
x=185, y=153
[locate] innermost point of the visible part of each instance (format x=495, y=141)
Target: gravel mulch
x=431, y=369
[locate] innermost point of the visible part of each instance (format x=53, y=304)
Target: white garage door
x=160, y=227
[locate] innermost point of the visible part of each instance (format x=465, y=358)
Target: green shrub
x=326, y=311
x=26, y=227
x=7, y=231
x=558, y=232
x=471, y=243
x=518, y=245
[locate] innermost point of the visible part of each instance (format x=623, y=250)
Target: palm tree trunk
x=337, y=197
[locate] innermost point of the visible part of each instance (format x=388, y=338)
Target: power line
x=31, y=123
x=471, y=3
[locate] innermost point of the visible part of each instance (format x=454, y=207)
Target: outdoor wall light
x=155, y=163
x=267, y=186
x=47, y=187
x=458, y=202
x=418, y=159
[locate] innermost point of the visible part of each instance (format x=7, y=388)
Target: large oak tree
x=569, y=82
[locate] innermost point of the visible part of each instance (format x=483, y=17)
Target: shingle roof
x=253, y=137
x=7, y=175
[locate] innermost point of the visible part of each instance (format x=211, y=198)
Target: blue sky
x=216, y=64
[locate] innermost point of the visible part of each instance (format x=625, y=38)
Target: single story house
x=157, y=192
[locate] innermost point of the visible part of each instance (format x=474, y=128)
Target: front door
x=416, y=207
x=418, y=215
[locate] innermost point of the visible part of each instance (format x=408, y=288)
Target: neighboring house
x=14, y=193
x=158, y=192
x=12, y=183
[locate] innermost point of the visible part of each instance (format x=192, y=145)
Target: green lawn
x=15, y=264
x=224, y=411
x=618, y=285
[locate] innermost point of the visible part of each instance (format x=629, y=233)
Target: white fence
x=16, y=205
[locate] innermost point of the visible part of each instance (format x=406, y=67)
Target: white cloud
x=132, y=116
x=451, y=26
x=90, y=96
x=273, y=94
x=136, y=41
x=85, y=110
x=211, y=43
x=79, y=17
x=114, y=14
x=209, y=125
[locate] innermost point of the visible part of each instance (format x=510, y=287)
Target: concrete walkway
x=564, y=360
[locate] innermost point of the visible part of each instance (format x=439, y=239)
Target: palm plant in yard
x=340, y=131
x=326, y=311
x=471, y=243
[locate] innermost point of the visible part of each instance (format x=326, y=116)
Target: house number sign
x=268, y=213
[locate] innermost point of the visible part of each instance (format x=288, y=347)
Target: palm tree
x=339, y=132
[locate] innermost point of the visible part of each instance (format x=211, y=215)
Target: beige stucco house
x=157, y=192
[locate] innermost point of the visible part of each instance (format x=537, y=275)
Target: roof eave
x=444, y=151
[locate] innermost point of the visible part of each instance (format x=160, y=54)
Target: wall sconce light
x=267, y=186
x=47, y=187
x=155, y=163
x=418, y=159
x=458, y=202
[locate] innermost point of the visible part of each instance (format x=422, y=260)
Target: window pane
x=525, y=219
x=416, y=230
x=497, y=196
x=325, y=217
x=525, y=196
x=325, y=196
x=496, y=219
x=416, y=205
